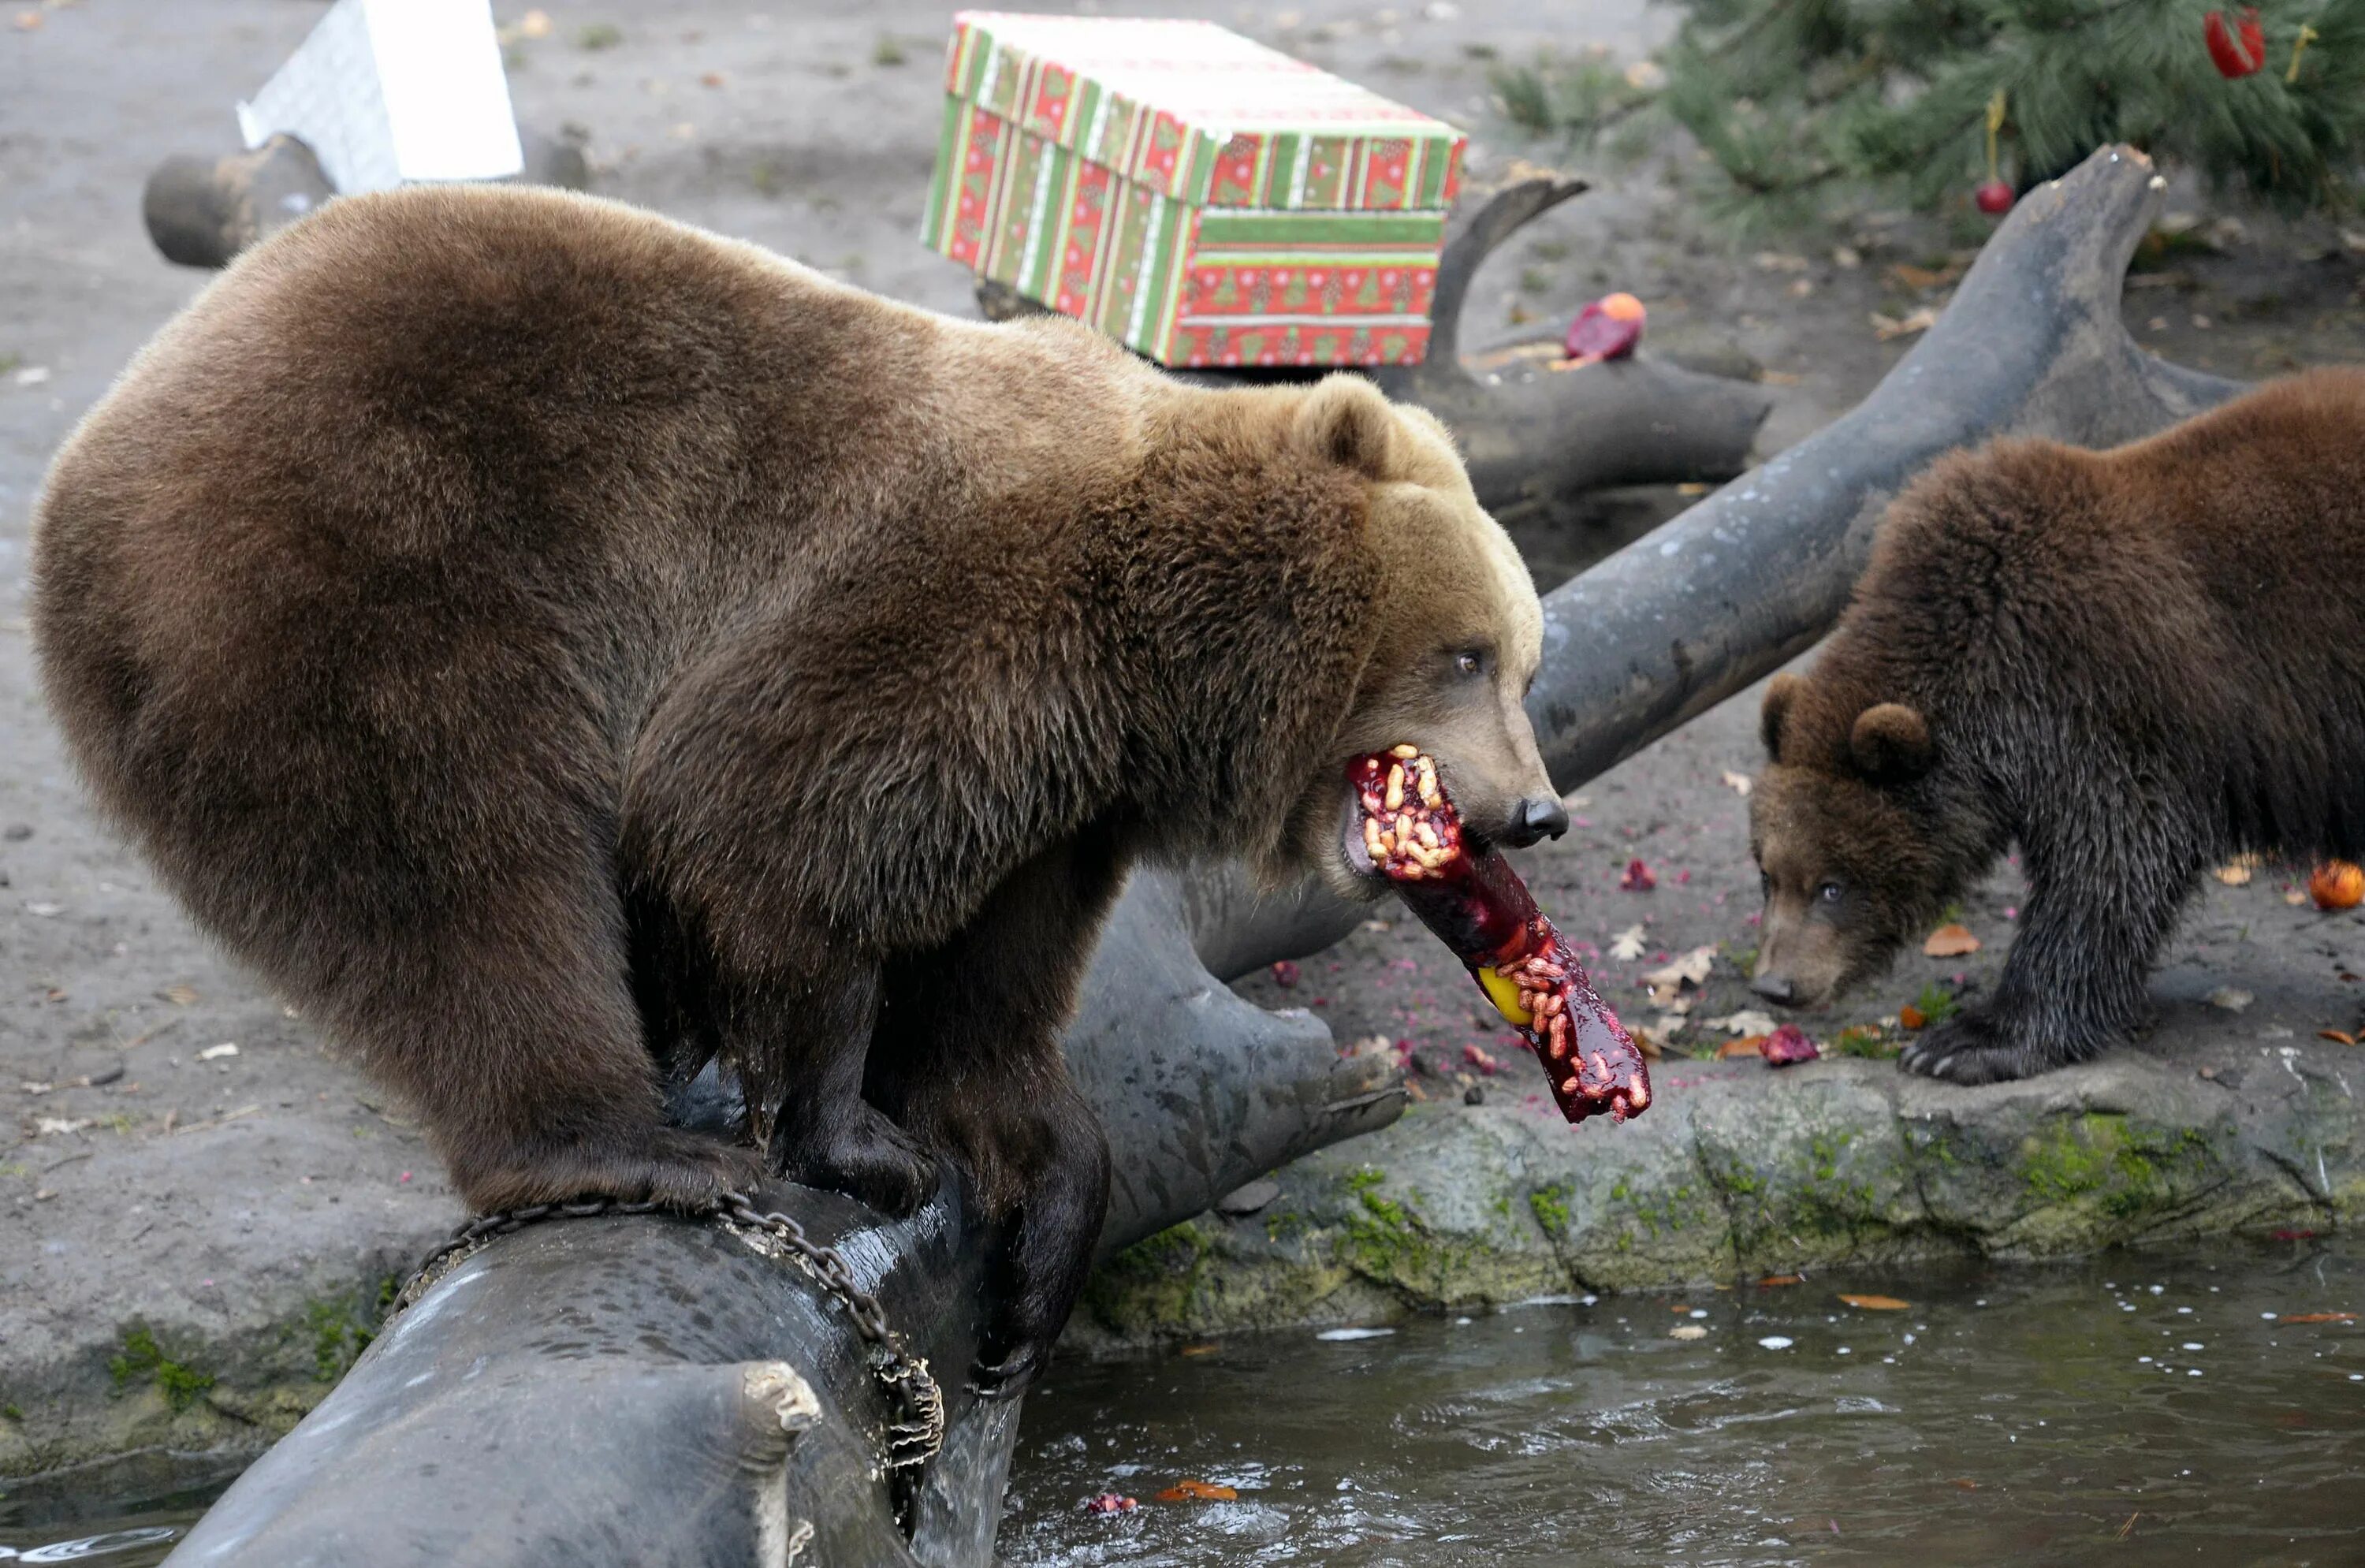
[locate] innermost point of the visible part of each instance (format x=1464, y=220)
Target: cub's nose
x=1536, y=819
x=1775, y=988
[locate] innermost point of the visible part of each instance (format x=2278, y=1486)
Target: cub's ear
x=1779, y=693
x=1346, y=420
x=1891, y=742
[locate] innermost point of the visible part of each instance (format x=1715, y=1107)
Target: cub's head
x=1459, y=636
x=1847, y=846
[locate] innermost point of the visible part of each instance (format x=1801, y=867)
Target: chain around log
x=916, y=1434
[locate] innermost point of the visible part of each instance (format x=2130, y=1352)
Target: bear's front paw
x=861, y=1154
x=1975, y=1048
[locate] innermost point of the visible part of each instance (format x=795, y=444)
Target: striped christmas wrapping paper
x=1305, y=247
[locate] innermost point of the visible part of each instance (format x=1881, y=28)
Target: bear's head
x=1455, y=636
x=1850, y=849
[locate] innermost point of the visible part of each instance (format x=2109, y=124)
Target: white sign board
x=386, y=92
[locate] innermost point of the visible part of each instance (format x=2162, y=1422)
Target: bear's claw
x=1971, y=1050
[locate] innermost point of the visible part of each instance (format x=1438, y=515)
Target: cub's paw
x=861, y=1154
x=1016, y=1348
x=667, y=1166
x=1974, y=1048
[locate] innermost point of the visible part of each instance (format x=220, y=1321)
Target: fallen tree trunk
x=1734, y=587
x=645, y=1389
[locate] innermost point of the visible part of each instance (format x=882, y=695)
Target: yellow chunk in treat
x=1505, y=994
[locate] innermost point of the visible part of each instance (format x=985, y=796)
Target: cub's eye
x=1831, y=892
x=1469, y=662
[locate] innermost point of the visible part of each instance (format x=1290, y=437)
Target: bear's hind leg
x=968, y=1056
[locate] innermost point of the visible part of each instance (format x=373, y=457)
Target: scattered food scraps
x=1775, y=1342
x=1950, y=942
x=2238, y=871
x=1887, y=327
x=1284, y=974
x=1787, y=1046
x=1736, y=782
x=1606, y=328
x=215, y=1053
x=1627, y=945
x=1687, y=1331
x=1772, y=1282
x=1110, y=1503
x=179, y=995
x=1748, y=1020
x=2317, y=1317
x=1877, y=1302
x=1910, y=1017
x=56, y=1127
x=2343, y=1035
x=2337, y=884
x=2233, y=999
x=1747, y=1045
x=1482, y=1059
x=1636, y=877
x=1188, y=1490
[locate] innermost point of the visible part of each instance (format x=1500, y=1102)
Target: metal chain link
x=912, y=1440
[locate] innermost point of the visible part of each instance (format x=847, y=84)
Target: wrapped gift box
x=1197, y=196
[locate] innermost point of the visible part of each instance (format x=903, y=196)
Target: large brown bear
x=2134, y=663
x=557, y=646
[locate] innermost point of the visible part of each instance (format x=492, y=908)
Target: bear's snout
x=1775, y=987
x=1535, y=819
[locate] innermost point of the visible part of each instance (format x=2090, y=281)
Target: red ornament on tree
x=1994, y=198
x=2236, y=50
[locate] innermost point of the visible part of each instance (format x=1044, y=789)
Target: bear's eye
x=1831, y=892
x=1469, y=661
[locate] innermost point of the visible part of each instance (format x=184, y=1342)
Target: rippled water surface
x=2143, y=1408
x=2140, y=1410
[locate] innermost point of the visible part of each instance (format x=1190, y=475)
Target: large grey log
x=1725, y=593
x=630, y=1390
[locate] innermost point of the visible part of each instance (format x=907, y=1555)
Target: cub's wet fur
x=2134, y=664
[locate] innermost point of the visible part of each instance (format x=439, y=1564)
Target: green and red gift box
x=1197, y=196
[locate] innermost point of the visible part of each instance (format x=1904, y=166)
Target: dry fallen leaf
x=1668, y=1025
x=1736, y=782
x=2343, y=1035
x=1748, y=1020
x=2233, y=999
x=1910, y=1017
x=1878, y=1303
x=1887, y=327
x=534, y=25
x=179, y=995
x=1201, y=1349
x=2238, y=871
x=2317, y=1317
x=1746, y=1046
x=53, y=1126
x=1772, y=1281
x=1950, y=942
x=1628, y=944
x=215, y=1053
x=1201, y=1491
x=1913, y=276
x=1668, y=983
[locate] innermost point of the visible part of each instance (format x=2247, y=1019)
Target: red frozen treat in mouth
x=1408, y=831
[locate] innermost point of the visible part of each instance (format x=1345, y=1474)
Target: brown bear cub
x=2133, y=663
x=558, y=647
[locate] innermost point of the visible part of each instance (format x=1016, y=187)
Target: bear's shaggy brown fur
x=557, y=647
x=2135, y=663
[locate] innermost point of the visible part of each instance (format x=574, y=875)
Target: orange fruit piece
x=2337, y=884
x=1197, y=1491
x=1878, y=1303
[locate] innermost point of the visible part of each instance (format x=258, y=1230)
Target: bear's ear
x=1891, y=742
x=1779, y=693
x=1346, y=420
